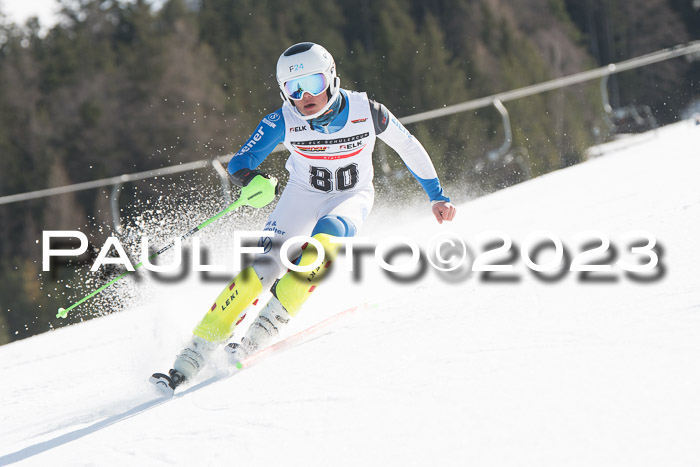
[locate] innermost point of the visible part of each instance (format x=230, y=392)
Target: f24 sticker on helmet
x=296, y=67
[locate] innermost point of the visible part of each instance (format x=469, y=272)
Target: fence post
x=225, y=182
x=499, y=153
x=114, y=203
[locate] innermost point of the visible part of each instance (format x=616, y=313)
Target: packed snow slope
x=439, y=369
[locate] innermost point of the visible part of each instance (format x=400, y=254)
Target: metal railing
x=557, y=83
x=691, y=49
x=119, y=180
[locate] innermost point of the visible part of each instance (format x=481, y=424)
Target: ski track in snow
x=434, y=372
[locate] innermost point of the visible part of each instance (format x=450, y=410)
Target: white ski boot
x=262, y=332
x=187, y=364
x=193, y=357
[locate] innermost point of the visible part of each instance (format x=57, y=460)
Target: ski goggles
x=313, y=84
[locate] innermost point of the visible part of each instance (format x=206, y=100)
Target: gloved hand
x=257, y=188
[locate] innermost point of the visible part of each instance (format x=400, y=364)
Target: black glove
x=242, y=177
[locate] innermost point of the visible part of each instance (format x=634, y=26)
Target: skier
x=330, y=133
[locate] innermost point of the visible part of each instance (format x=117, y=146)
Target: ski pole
x=63, y=312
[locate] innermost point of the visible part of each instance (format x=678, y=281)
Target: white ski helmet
x=307, y=67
